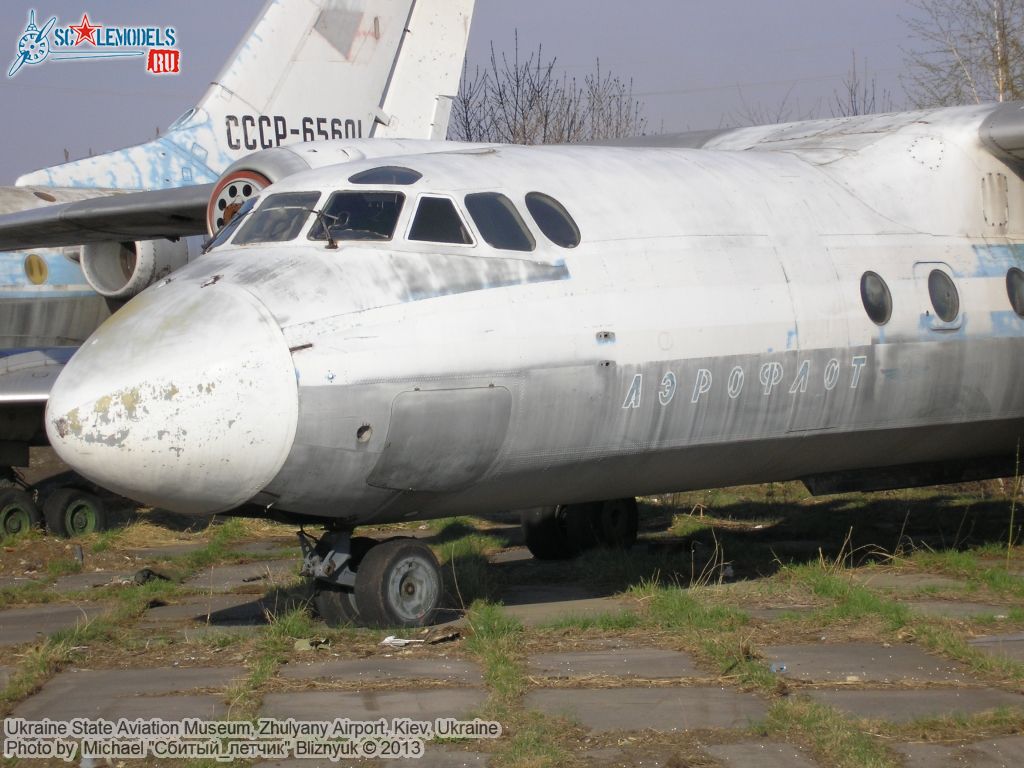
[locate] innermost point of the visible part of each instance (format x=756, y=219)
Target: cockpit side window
x=499, y=222
x=552, y=218
x=221, y=235
x=437, y=221
x=359, y=216
x=280, y=218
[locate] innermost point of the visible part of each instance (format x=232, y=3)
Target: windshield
x=279, y=219
x=221, y=235
x=359, y=216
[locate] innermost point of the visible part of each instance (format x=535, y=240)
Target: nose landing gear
x=394, y=583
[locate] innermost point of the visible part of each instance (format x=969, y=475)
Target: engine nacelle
x=121, y=270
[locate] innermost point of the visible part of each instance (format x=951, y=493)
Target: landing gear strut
x=565, y=531
x=356, y=580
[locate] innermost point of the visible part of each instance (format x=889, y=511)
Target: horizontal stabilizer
x=169, y=213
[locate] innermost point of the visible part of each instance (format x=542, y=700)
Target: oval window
x=552, y=218
x=1015, y=289
x=876, y=297
x=386, y=174
x=944, y=297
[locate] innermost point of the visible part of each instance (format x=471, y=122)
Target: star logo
x=86, y=32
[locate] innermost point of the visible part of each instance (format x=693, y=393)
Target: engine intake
x=121, y=270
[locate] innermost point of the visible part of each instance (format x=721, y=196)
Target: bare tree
x=859, y=94
x=972, y=51
x=525, y=101
x=787, y=110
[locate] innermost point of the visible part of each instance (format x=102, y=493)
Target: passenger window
x=1015, y=289
x=944, y=297
x=499, y=222
x=437, y=221
x=876, y=297
x=552, y=218
x=359, y=216
x=279, y=219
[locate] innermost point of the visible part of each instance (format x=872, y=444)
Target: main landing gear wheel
x=398, y=584
x=336, y=604
x=18, y=513
x=70, y=512
x=618, y=522
x=562, y=532
x=545, y=534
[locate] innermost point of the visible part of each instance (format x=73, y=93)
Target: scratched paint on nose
x=157, y=408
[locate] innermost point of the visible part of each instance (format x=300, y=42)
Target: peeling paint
x=130, y=400
x=102, y=408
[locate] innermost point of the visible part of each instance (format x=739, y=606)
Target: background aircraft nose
x=185, y=399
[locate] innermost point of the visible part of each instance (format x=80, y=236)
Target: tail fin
x=306, y=70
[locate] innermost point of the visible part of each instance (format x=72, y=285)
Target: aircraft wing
x=164, y=213
x=26, y=376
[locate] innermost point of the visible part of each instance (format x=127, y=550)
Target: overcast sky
x=694, y=63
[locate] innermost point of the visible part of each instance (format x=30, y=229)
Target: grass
x=851, y=601
x=679, y=598
x=468, y=574
x=102, y=542
x=61, y=648
x=218, y=549
x=530, y=739
x=63, y=566
x=32, y=593
x=833, y=738
x=998, y=722
x=272, y=649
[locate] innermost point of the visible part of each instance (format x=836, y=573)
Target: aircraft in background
x=307, y=71
x=473, y=329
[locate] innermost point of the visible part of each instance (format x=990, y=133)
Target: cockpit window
x=552, y=218
x=222, y=235
x=499, y=222
x=359, y=216
x=386, y=174
x=280, y=218
x=437, y=221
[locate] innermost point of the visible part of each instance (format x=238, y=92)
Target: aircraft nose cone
x=184, y=399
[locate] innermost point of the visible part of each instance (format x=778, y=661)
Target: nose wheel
x=394, y=583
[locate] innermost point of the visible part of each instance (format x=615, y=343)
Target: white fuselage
x=707, y=330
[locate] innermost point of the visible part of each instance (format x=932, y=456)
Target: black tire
x=335, y=604
x=358, y=547
x=544, y=533
x=583, y=526
x=71, y=512
x=18, y=513
x=398, y=585
x=618, y=523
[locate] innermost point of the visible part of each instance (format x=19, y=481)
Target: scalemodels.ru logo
x=89, y=40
